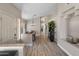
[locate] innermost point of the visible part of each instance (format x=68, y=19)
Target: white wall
x=62, y=29
x=74, y=27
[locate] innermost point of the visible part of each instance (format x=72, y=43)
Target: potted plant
x=51, y=26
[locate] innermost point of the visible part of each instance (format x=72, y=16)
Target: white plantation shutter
x=0, y=28
x=8, y=27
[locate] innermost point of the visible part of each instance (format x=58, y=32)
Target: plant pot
x=51, y=36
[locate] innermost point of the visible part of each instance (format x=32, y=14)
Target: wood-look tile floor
x=43, y=47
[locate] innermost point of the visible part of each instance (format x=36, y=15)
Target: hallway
x=43, y=47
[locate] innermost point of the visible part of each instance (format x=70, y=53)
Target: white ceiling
x=39, y=9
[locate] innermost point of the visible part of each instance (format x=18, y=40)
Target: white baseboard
x=64, y=50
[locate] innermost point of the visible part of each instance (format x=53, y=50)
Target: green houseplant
x=51, y=26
